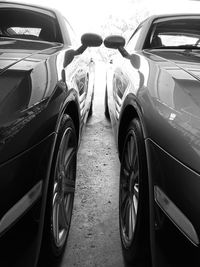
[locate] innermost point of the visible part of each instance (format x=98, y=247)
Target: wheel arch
x=129, y=114
x=72, y=110
x=130, y=110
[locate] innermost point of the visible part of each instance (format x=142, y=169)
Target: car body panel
x=37, y=89
x=161, y=88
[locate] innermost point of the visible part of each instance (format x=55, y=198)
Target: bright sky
x=89, y=15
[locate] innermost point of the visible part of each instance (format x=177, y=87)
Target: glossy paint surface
x=162, y=88
x=35, y=91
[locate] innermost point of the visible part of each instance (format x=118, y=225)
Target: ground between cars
x=94, y=234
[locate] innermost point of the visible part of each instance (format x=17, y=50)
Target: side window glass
x=133, y=41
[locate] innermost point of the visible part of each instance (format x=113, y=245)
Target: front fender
x=131, y=102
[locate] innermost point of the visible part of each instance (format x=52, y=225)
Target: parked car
x=153, y=102
x=47, y=82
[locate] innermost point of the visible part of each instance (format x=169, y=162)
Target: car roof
x=153, y=17
x=5, y=4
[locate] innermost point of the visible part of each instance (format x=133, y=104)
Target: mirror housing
x=116, y=42
x=89, y=40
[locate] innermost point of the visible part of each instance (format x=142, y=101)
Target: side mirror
x=116, y=42
x=89, y=40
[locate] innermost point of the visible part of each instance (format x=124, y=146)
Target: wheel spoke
x=56, y=211
x=69, y=186
x=64, y=144
x=65, y=151
x=136, y=176
x=70, y=153
x=126, y=158
x=68, y=207
x=60, y=166
x=127, y=217
x=125, y=172
x=63, y=220
x=55, y=188
x=69, y=179
x=124, y=198
x=124, y=209
x=130, y=151
x=135, y=161
x=132, y=218
x=135, y=205
x=124, y=186
x=136, y=191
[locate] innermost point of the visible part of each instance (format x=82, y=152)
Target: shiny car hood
x=24, y=73
x=15, y=50
x=188, y=60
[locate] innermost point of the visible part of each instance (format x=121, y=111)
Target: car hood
x=188, y=60
x=13, y=51
x=25, y=68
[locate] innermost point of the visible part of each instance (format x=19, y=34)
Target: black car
x=46, y=90
x=153, y=101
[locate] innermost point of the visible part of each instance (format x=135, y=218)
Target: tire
x=106, y=112
x=61, y=191
x=133, y=198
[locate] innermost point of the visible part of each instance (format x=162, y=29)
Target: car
x=152, y=100
x=47, y=82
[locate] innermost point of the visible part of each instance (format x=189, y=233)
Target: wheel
x=61, y=191
x=133, y=198
x=106, y=112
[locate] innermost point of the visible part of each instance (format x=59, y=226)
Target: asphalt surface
x=94, y=238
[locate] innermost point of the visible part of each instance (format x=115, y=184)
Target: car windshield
x=28, y=24
x=183, y=33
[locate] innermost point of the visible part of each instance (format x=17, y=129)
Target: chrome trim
x=176, y=215
x=20, y=207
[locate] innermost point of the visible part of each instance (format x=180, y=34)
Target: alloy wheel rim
x=64, y=188
x=129, y=189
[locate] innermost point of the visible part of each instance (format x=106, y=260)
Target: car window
x=71, y=33
x=133, y=41
x=28, y=24
x=24, y=30
x=175, y=33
